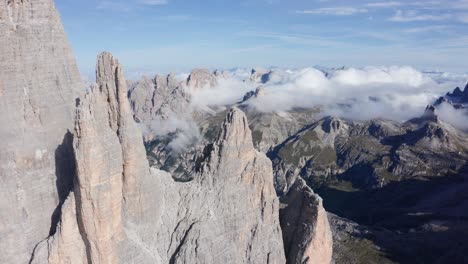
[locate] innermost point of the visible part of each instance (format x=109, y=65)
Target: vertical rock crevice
x=65, y=171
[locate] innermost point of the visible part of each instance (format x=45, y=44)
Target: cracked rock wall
x=38, y=82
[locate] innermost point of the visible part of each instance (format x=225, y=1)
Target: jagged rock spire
x=111, y=82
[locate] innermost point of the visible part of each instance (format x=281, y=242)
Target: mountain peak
x=235, y=129
x=457, y=98
x=428, y=116
x=201, y=78
x=465, y=94
x=259, y=75
x=456, y=92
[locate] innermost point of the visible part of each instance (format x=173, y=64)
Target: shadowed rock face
x=38, y=82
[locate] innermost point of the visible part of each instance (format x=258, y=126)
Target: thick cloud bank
x=396, y=93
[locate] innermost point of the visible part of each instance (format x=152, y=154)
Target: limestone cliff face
x=38, y=80
x=127, y=213
x=113, y=85
x=306, y=230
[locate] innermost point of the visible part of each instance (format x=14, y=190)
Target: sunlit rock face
x=39, y=81
x=306, y=230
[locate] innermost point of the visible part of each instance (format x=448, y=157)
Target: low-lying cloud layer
x=184, y=131
x=395, y=93
x=457, y=118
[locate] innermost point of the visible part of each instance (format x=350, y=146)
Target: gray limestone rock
x=127, y=213
x=39, y=81
x=153, y=98
x=306, y=231
x=201, y=78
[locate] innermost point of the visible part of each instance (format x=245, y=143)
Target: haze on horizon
x=176, y=35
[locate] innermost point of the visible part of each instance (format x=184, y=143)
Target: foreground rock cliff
x=120, y=211
x=38, y=80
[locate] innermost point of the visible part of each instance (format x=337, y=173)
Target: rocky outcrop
x=306, y=231
x=127, y=213
x=39, y=80
x=428, y=116
x=221, y=74
x=153, y=98
x=259, y=92
x=142, y=99
x=259, y=75
x=201, y=78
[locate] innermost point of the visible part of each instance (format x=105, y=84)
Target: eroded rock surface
x=38, y=83
x=127, y=213
x=306, y=230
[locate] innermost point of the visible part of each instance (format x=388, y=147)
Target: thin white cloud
x=291, y=38
x=335, y=11
x=435, y=28
x=423, y=5
x=153, y=2
x=127, y=6
x=413, y=16
x=384, y=4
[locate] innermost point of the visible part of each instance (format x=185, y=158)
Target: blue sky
x=178, y=35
